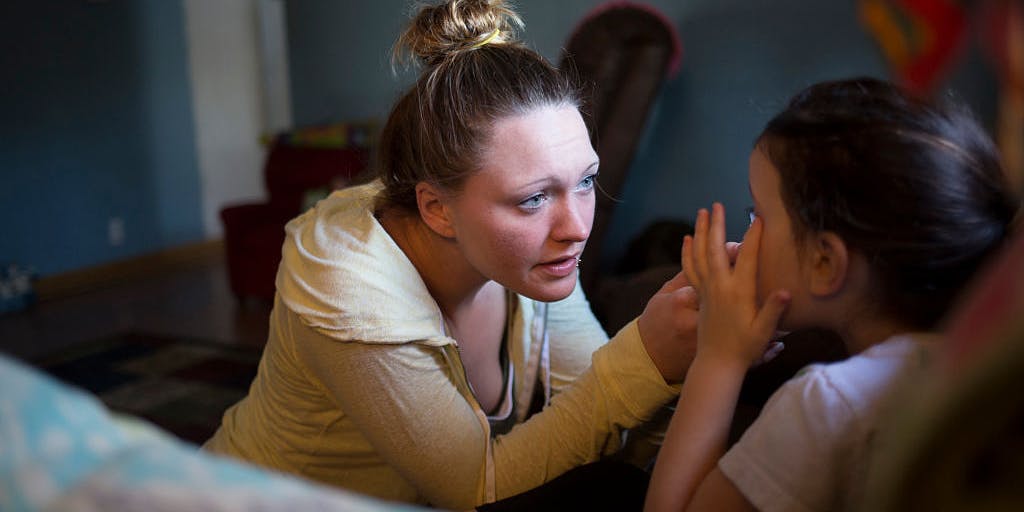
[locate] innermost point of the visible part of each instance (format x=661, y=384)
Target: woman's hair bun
x=448, y=28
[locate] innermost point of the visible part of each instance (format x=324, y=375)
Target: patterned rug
x=181, y=385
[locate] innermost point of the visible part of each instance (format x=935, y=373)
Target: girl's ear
x=829, y=264
x=434, y=209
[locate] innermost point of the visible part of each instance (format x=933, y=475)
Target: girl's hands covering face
x=731, y=326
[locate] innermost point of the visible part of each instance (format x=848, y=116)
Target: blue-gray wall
x=742, y=60
x=96, y=124
x=96, y=108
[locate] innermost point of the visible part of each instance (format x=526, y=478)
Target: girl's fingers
x=689, y=265
x=767, y=318
x=746, y=259
x=683, y=261
x=718, y=259
x=700, y=244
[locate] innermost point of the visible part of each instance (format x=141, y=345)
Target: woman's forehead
x=543, y=140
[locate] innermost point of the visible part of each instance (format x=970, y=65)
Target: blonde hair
x=474, y=73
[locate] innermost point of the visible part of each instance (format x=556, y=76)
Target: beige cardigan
x=360, y=387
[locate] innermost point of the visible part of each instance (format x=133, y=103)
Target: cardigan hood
x=346, y=277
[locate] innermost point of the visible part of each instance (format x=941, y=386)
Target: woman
x=420, y=317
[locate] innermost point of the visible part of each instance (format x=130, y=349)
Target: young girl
x=872, y=210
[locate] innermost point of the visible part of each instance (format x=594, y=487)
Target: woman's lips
x=560, y=268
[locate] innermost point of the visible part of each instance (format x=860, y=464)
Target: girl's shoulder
x=859, y=382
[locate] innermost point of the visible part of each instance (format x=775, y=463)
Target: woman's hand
x=731, y=325
x=668, y=327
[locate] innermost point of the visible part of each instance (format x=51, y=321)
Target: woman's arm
x=732, y=333
x=401, y=405
x=403, y=399
x=620, y=390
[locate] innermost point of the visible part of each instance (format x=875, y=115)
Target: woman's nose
x=574, y=221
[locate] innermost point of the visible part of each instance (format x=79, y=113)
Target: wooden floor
x=193, y=302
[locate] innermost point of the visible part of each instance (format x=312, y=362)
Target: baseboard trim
x=147, y=265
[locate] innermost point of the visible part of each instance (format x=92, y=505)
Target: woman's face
x=778, y=262
x=524, y=219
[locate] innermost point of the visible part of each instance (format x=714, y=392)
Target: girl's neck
x=864, y=331
x=451, y=280
x=852, y=312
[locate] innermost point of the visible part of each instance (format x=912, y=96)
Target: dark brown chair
x=622, y=52
x=254, y=232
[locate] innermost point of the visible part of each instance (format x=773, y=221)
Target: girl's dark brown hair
x=917, y=187
x=475, y=72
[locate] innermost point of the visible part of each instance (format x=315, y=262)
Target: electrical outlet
x=115, y=231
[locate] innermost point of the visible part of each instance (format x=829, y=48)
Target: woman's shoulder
x=343, y=274
x=350, y=209
x=338, y=236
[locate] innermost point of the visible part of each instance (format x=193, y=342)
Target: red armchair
x=254, y=232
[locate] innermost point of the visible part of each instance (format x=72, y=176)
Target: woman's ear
x=434, y=209
x=830, y=264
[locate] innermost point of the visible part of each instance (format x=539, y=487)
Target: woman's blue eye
x=533, y=202
x=588, y=182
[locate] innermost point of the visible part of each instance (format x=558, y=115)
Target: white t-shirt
x=808, y=448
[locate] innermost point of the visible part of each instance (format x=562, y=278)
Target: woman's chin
x=550, y=291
